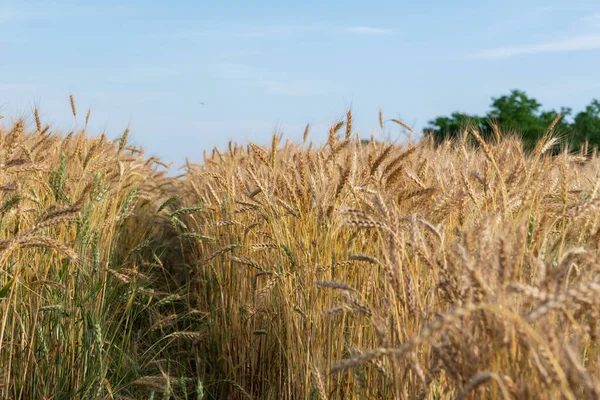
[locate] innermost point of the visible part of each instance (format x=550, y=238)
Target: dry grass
x=380, y=271
x=351, y=270
x=79, y=265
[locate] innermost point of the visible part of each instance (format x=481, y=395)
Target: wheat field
x=358, y=269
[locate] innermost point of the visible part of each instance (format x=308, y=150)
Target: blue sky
x=265, y=66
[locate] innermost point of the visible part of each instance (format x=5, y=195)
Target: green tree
x=515, y=113
x=519, y=113
x=586, y=125
x=442, y=128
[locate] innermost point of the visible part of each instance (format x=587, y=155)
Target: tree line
x=520, y=114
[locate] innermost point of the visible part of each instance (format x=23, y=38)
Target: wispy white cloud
x=15, y=14
x=592, y=20
x=369, y=30
x=293, y=88
x=150, y=72
x=11, y=41
x=562, y=7
x=269, y=81
x=585, y=42
x=233, y=70
x=270, y=31
x=25, y=13
x=286, y=31
x=11, y=87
